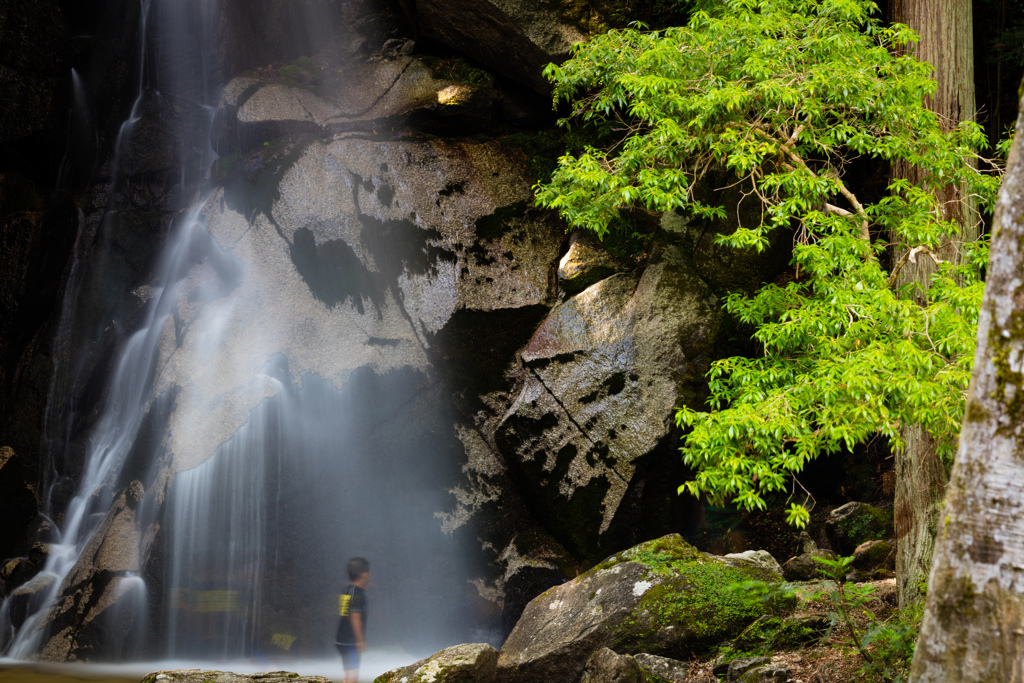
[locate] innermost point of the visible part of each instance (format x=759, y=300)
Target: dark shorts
x=349, y=656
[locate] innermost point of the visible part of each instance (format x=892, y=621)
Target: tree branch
x=911, y=256
x=786, y=148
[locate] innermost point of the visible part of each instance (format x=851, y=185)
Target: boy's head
x=357, y=566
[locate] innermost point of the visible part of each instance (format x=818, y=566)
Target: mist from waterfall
x=243, y=548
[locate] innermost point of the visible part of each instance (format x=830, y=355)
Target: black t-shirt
x=352, y=599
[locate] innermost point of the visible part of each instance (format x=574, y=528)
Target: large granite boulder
x=466, y=663
x=874, y=557
x=533, y=563
x=662, y=597
x=758, y=558
x=602, y=377
x=607, y=666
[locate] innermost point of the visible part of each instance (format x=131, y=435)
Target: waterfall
x=259, y=477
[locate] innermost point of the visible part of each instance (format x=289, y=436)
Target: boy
x=351, y=637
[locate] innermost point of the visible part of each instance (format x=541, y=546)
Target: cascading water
x=261, y=475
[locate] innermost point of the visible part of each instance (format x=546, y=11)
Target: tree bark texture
x=973, y=628
x=947, y=43
x=920, y=488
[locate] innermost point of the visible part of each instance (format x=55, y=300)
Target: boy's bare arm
x=357, y=630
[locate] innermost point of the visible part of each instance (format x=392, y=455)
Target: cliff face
x=368, y=223
x=37, y=232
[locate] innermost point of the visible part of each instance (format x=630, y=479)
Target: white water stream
x=253, y=539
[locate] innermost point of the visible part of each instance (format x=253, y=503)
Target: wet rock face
x=517, y=39
x=373, y=245
x=34, y=62
x=260, y=32
x=36, y=239
x=28, y=597
x=341, y=256
x=662, y=597
x=17, y=507
x=150, y=144
x=87, y=620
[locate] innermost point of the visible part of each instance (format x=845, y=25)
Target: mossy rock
x=770, y=633
x=457, y=70
x=872, y=555
x=302, y=72
x=466, y=663
x=663, y=597
x=852, y=524
x=579, y=282
x=661, y=669
x=805, y=567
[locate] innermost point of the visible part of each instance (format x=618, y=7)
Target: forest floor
x=833, y=659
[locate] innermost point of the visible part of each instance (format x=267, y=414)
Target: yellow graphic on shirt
x=282, y=640
x=343, y=601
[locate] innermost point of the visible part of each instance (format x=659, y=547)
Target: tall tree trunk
x=947, y=43
x=973, y=627
x=920, y=488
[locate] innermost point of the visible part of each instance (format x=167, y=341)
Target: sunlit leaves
x=787, y=94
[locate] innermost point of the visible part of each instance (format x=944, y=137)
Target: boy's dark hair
x=357, y=566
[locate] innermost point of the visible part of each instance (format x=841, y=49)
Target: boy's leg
x=350, y=660
x=352, y=675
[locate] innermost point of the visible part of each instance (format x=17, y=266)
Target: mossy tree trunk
x=947, y=44
x=973, y=627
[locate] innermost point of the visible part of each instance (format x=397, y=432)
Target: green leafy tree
x=787, y=95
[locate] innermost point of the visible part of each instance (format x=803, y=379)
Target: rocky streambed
x=664, y=612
